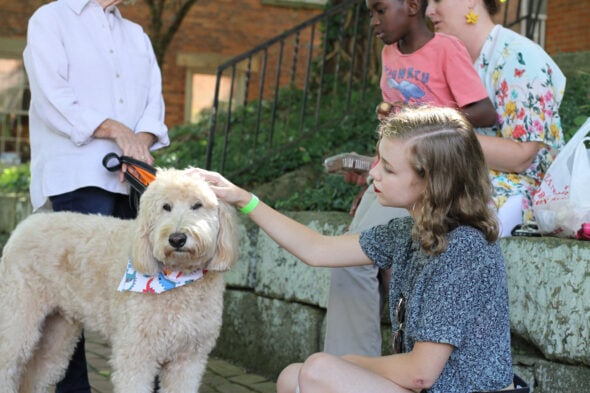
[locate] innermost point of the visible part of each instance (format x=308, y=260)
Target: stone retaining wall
x=275, y=306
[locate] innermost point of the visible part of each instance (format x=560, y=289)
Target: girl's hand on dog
x=223, y=188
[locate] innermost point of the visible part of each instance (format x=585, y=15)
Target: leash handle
x=139, y=174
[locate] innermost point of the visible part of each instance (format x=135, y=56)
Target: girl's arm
x=306, y=244
x=415, y=370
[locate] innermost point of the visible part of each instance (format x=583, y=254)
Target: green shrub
x=302, y=146
x=331, y=194
x=188, y=147
x=253, y=159
x=575, y=107
x=15, y=179
x=353, y=131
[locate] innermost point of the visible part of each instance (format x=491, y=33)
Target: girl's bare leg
x=325, y=373
x=287, y=381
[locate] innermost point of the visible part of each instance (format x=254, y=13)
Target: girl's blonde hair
x=444, y=150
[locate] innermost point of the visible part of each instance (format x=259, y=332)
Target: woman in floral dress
x=526, y=87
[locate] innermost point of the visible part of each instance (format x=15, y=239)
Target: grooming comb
x=344, y=162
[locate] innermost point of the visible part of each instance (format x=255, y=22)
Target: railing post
x=213, y=119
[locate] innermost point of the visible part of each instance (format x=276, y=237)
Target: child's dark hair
x=444, y=150
x=424, y=5
x=492, y=6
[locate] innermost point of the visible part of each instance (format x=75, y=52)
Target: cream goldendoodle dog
x=61, y=272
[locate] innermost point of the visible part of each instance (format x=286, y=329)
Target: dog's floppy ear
x=142, y=257
x=226, y=251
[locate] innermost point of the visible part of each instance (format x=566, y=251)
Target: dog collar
x=161, y=282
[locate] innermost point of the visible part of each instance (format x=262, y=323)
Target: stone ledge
x=549, y=288
x=548, y=279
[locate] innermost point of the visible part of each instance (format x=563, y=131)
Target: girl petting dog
x=449, y=299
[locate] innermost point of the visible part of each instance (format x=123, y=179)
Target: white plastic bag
x=562, y=203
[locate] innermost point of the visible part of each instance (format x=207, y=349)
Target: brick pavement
x=220, y=377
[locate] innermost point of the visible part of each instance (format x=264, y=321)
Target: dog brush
x=344, y=162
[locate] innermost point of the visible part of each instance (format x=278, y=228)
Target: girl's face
x=395, y=181
x=448, y=16
x=389, y=19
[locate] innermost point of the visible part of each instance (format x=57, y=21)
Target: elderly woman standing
x=526, y=87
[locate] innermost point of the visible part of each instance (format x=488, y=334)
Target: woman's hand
x=131, y=144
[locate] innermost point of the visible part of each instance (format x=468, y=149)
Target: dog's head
x=182, y=226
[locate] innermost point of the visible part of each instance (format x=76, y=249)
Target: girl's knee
x=288, y=378
x=309, y=376
x=315, y=369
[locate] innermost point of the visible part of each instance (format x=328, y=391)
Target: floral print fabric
x=526, y=87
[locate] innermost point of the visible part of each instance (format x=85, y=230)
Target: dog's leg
x=50, y=360
x=184, y=374
x=133, y=372
x=20, y=330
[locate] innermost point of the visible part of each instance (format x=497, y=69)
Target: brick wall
x=568, y=26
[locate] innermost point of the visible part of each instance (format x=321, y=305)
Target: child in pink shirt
x=438, y=73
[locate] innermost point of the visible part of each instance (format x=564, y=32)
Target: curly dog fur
x=60, y=272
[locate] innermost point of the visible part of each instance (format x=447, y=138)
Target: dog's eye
x=197, y=206
x=167, y=207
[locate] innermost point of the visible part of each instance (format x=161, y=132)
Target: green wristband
x=247, y=209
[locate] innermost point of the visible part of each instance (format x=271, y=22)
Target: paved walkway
x=220, y=377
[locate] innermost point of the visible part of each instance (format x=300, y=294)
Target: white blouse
x=86, y=65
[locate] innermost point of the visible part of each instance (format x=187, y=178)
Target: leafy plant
x=353, y=131
x=575, y=106
x=15, y=179
x=302, y=145
x=254, y=153
x=333, y=193
x=188, y=147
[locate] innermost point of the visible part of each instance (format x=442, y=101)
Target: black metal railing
x=527, y=17
x=326, y=56
x=326, y=59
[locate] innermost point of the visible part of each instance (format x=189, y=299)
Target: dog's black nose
x=177, y=240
